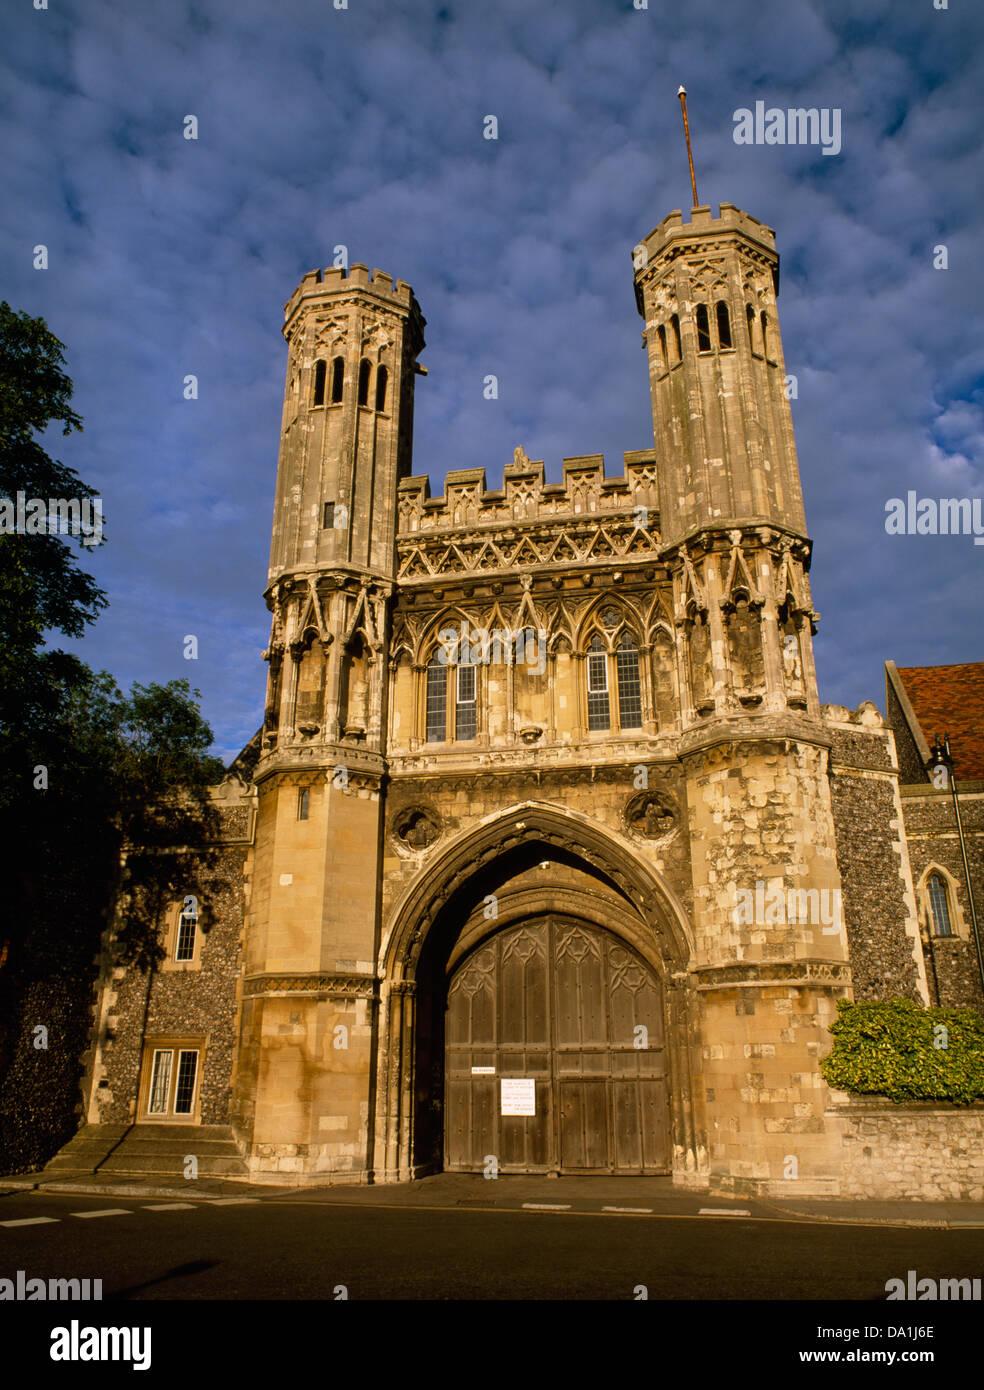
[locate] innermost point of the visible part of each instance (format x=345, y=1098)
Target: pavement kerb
x=971, y=1216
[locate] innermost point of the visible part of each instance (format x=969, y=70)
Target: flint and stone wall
x=873, y=858
x=193, y=1002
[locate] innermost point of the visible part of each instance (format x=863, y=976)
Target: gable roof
x=949, y=700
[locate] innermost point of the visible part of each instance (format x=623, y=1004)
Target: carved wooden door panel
x=566, y=1006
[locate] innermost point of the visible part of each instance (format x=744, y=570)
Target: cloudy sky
x=363, y=127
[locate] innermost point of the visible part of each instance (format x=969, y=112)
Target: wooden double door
x=570, y=1011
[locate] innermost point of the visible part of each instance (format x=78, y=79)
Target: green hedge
x=886, y=1047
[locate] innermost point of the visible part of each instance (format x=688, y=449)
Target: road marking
x=171, y=1206
x=107, y=1211
x=632, y=1211
x=30, y=1221
x=793, y=1219
x=231, y=1201
x=546, y=1206
x=723, y=1211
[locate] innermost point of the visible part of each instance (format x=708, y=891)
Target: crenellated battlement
x=525, y=496
x=703, y=223
x=317, y=283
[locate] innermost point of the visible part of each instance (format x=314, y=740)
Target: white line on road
x=30, y=1221
x=231, y=1201
x=546, y=1206
x=171, y=1206
x=107, y=1211
x=633, y=1211
x=723, y=1211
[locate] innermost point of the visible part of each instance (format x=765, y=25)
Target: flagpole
x=682, y=94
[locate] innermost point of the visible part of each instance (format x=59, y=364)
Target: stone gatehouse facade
x=546, y=857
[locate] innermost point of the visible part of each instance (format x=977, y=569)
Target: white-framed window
x=614, y=674
x=172, y=1087
x=437, y=700
x=457, y=685
x=629, y=684
x=185, y=937
x=160, y=1082
x=598, y=711
x=465, y=707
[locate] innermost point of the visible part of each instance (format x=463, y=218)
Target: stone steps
x=84, y=1152
x=150, y=1149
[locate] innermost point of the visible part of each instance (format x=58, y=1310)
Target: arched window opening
x=437, y=700
x=320, y=372
x=629, y=688
x=703, y=329
x=661, y=332
x=765, y=336
x=598, y=716
x=939, y=905
x=724, y=324
x=678, y=347
x=337, y=378
x=750, y=314
x=381, y=375
x=466, y=704
x=365, y=368
x=303, y=803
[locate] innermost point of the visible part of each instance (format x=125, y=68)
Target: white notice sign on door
x=518, y=1096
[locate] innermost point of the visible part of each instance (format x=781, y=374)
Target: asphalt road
x=154, y=1249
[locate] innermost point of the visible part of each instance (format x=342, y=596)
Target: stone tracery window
x=616, y=672
x=598, y=712
x=629, y=687
x=320, y=371
x=465, y=707
x=437, y=700
x=454, y=684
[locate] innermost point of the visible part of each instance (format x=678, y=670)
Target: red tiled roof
x=950, y=700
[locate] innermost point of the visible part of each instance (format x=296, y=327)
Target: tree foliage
x=105, y=814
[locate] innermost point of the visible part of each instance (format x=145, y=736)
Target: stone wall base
x=921, y=1151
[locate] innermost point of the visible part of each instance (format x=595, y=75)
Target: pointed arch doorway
x=576, y=1017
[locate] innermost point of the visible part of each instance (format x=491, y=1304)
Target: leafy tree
x=104, y=807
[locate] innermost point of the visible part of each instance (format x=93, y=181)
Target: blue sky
x=363, y=127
